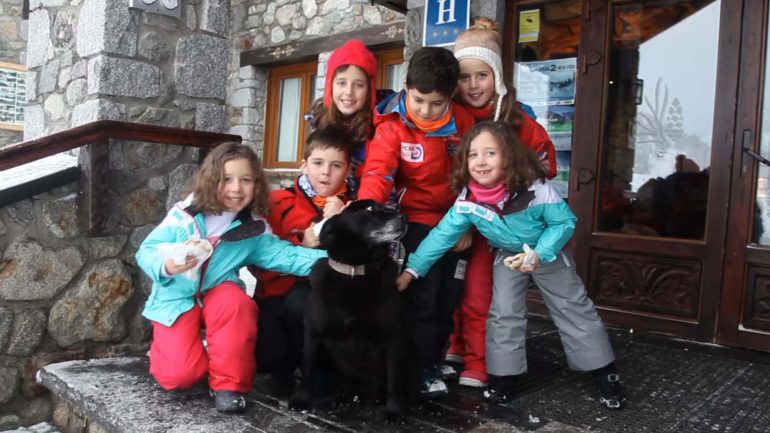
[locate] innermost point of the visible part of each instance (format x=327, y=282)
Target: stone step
x=118, y=395
x=121, y=397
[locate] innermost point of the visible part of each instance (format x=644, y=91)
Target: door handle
x=585, y=177
x=747, y=144
x=758, y=157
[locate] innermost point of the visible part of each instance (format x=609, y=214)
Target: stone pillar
x=98, y=59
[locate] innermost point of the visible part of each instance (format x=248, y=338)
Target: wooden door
x=744, y=314
x=649, y=175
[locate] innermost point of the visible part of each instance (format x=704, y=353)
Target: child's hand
x=532, y=262
x=172, y=268
x=309, y=239
x=463, y=243
x=333, y=206
x=403, y=280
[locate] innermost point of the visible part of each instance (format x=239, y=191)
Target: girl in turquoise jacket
x=220, y=221
x=506, y=197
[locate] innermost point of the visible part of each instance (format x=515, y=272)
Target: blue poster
x=444, y=21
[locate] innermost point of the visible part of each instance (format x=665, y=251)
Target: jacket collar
x=515, y=203
x=396, y=105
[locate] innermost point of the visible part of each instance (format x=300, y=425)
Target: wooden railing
x=95, y=162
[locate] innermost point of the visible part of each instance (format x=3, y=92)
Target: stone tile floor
x=672, y=386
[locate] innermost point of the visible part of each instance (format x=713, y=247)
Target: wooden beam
x=380, y=37
x=94, y=187
x=32, y=150
x=94, y=195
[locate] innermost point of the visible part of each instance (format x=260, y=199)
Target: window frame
x=385, y=58
x=305, y=72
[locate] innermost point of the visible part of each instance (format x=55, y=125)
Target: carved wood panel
x=756, y=311
x=646, y=284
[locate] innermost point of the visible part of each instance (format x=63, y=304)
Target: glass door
x=744, y=316
x=648, y=159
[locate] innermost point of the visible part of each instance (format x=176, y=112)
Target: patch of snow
x=36, y=169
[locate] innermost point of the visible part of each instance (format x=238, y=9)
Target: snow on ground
x=36, y=169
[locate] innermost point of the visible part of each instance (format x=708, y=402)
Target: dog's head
x=362, y=232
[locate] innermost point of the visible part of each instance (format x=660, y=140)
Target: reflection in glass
x=761, y=229
x=545, y=73
x=660, y=106
x=396, y=75
x=288, y=121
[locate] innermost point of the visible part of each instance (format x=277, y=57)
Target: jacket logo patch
x=473, y=208
x=412, y=152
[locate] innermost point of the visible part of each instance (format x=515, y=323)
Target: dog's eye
x=369, y=208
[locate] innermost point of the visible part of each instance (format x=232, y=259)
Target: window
x=12, y=91
x=391, y=71
x=291, y=90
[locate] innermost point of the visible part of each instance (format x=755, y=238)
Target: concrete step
x=117, y=395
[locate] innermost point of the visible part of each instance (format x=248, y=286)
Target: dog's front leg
x=396, y=382
x=304, y=396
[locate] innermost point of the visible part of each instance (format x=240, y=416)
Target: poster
x=529, y=25
x=12, y=91
x=550, y=82
x=555, y=118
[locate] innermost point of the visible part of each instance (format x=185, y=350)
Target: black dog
x=353, y=322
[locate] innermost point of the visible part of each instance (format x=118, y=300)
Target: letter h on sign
x=444, y=20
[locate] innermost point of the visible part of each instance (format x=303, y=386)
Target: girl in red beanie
x=349, y=97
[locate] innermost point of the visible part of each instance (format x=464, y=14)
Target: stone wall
x=65, y=294
x=13, y=46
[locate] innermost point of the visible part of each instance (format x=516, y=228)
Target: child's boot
x=431, y=385
x=500, y=389
x=473, y=378
x=608, y=381
x=229, y=401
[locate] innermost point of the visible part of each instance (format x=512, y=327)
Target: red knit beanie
x=353, y=52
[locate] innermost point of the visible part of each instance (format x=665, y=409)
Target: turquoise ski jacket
x=536, y=216
x=247, y=240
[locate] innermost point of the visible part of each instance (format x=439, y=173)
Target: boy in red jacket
x=417, y=131
x=319, y=193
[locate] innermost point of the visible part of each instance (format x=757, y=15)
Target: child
x=349, y=97
x=417, y=132
x=320, y=192
x=482, y=91
x=506, y=197
x=229, y=194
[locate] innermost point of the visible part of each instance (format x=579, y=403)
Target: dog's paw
x=393, y=418
x=346, y=399
x=299, y=404
x=435, y=410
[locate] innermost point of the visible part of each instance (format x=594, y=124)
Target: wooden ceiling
x=396, y=5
